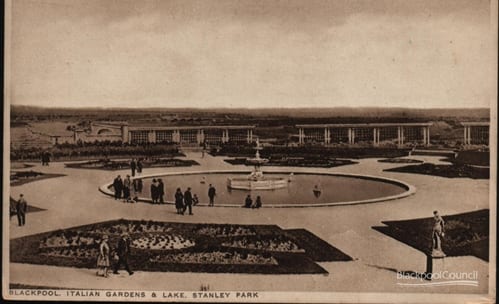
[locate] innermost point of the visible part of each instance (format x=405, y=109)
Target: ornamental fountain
x=256, y=180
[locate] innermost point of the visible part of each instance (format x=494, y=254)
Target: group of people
x=136, y=166
x=123, y=188
x=45, y=158
x=157, y=191
x=184, y=201
x=121, y=255
x=248, y=202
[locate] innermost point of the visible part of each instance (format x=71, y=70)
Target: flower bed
x=159, y=242
x=268, y=243
x=226, y=230
x=400, y=161
x=106, y=164
x=216, y=257
x=297, y=162
x=163, y=246
x=450, y=171
x=23, y=177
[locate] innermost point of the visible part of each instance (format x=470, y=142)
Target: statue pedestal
x=434, y=263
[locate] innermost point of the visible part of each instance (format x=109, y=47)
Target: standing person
x=140, y=185
x=258, y=202
x=212, y=192
x=43, y=158
x=133, y=166
x=103, y=257
x=248, y=202
x=47, y=158
x=179, y=201
x=161, y=191
x=139, y=166
x=123, y=252
x=154, y=191
x=127, y=183
x=118, y=187
x=21, y=208
x=187, y=201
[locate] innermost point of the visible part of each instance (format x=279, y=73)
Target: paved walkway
x=73, y=200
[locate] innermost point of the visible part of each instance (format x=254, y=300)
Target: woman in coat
x=103, y=257
x=154, y=191
x=179, y=201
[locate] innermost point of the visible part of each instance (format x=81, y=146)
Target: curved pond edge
x=410, y=189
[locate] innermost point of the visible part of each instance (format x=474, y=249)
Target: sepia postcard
x=260, y=151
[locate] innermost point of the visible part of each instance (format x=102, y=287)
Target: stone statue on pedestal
x=437, y=234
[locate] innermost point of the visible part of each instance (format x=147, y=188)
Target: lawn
x=24, y=177
x=118, y=165
x=449, y=171
x=465, y=233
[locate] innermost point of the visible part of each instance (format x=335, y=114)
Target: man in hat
x=21, y=208
x=211, y=194
x=123, y=252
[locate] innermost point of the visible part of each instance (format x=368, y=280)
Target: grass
x=118, y=165
x=30, y=208
x=465, y=233
x=24, y=177
x=400, y=161
x=449, y=171
x=298, y=162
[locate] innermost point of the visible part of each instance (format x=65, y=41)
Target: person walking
x=103, y=257
x=21, y=208
x=133, y=166
x=139, y=166
x=161, y=191
x=118, y=187
x=127, y=184
x=140, y=185
x=212, y=192
x=187, y=201
x=123, y=252
x=179, y=201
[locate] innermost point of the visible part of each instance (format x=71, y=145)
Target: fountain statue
x=256, y=180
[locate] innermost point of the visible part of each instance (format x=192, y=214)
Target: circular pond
x=335, y=189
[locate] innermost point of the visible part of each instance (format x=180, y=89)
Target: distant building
x=367, y=133
x=476, y=133
x=183, y=135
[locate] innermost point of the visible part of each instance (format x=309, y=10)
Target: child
x=195, y=200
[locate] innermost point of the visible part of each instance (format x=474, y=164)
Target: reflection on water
x=303, y=189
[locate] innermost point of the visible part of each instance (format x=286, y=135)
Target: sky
x=253, y=54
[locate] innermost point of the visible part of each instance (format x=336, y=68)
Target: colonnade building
x=183, y=135
x=365, y=133
x=476, y=133
x=374, y=134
